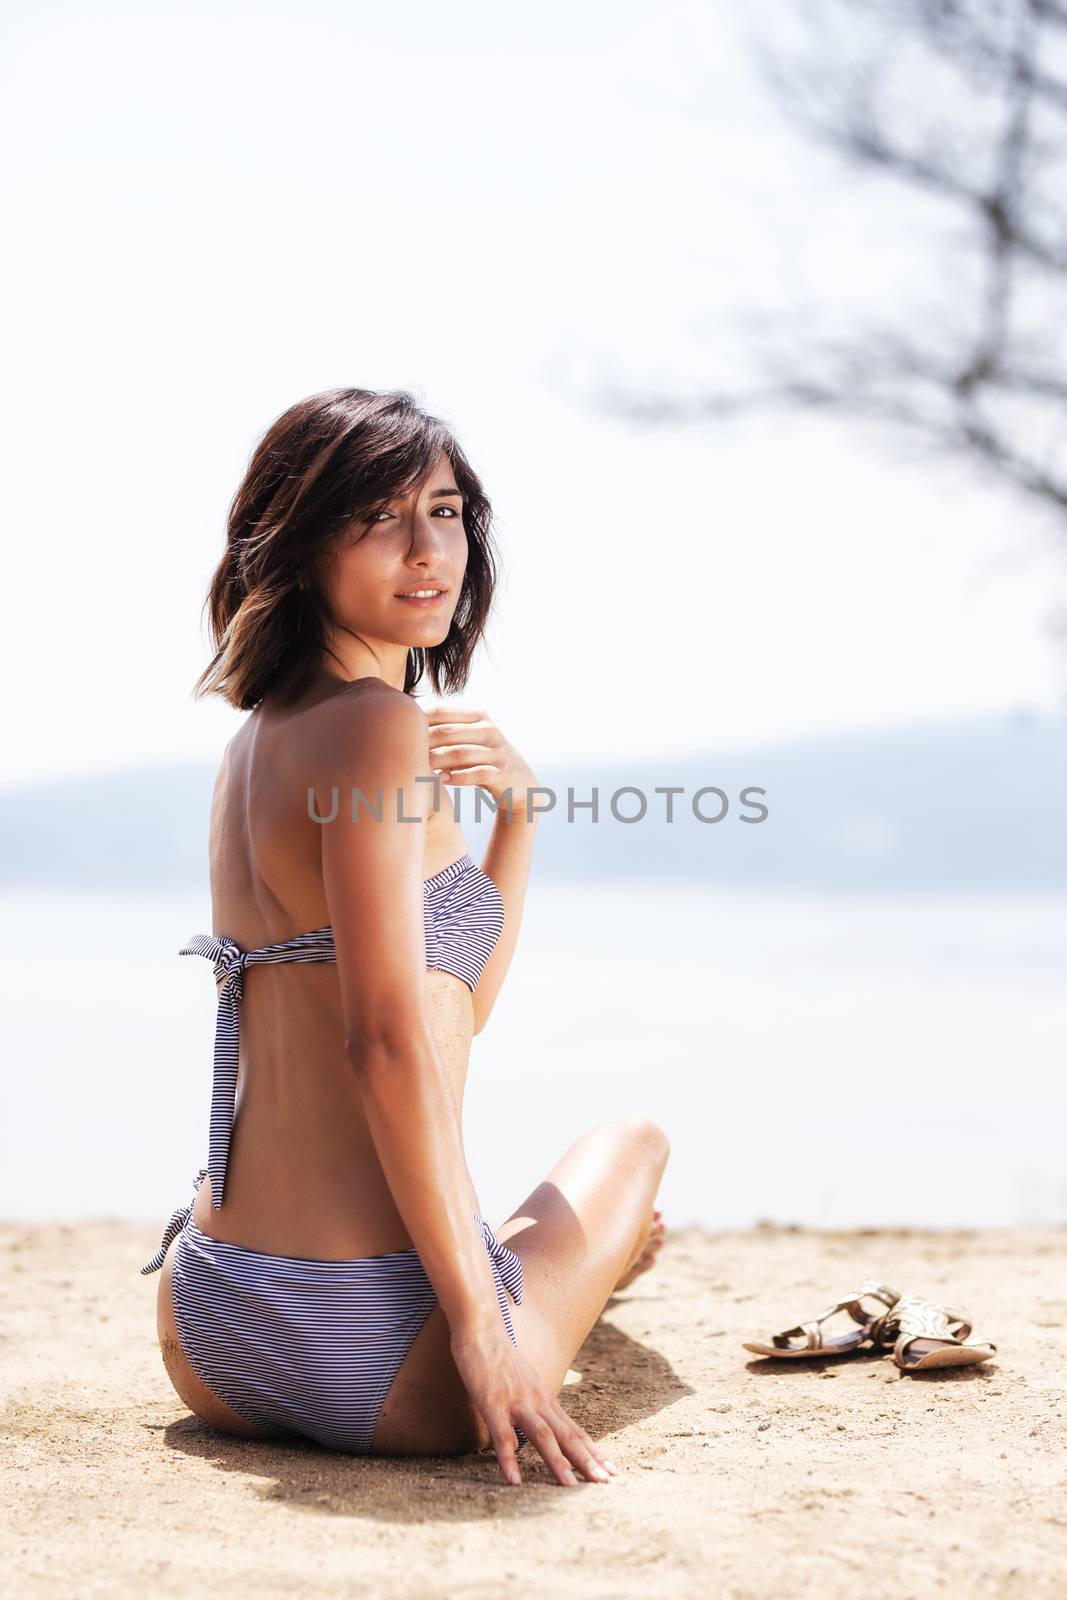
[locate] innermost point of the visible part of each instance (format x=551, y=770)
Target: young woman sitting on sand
x=333, y=1277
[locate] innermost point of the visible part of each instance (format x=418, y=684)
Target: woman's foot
x=646, y=1254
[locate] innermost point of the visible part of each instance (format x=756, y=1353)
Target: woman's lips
x=426, y=601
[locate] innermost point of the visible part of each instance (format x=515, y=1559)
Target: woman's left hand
x=467, y=747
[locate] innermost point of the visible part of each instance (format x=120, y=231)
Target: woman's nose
x=426, y=532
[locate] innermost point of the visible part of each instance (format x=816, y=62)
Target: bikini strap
x=508, y=1263
x=179, y=1217
x=230, y=962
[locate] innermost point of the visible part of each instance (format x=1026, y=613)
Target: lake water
x=829, y=1062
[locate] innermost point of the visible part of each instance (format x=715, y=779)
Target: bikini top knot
x=229, y=959
x=463, y=917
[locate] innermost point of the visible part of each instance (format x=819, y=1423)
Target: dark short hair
x=331, y=460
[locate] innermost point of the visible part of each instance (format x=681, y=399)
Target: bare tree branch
x=983, y=128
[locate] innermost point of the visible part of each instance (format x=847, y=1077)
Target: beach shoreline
x=739, y=1478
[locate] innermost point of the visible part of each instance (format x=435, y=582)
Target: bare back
x=303, y=1176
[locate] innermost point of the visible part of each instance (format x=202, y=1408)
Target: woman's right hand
x=507, y=1393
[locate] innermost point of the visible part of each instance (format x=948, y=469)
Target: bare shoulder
x=371, y=723
x=373, y=710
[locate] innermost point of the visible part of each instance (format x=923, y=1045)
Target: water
x=823, y=1061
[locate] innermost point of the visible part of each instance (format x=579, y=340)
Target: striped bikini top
x=463, y=913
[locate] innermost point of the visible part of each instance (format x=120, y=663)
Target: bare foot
x=646, y=1255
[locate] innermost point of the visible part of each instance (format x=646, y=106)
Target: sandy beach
x=739, y=1478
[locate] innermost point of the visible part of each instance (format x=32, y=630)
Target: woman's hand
x=467, y=747
x=508, y=1393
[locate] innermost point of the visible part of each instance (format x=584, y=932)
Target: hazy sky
x=217, y=214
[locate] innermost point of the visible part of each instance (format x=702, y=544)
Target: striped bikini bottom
x=310, y=1346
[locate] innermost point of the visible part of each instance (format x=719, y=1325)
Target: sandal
x=924, y=1335
x=868, y=1327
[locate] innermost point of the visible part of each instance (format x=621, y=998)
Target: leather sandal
x=808, y=1338
x=924, y=1335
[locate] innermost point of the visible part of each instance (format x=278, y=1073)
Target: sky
x=218, y=214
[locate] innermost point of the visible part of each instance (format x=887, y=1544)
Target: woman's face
x=419, y=542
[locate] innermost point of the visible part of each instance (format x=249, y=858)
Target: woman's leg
x=575, y=1234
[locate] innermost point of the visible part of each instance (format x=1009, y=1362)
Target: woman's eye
x=452, y=512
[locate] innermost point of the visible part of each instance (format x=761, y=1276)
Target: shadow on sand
x=622, y=1383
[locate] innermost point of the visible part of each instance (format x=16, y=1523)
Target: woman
x=333, y=1277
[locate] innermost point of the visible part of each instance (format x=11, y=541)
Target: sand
x=739, y=1479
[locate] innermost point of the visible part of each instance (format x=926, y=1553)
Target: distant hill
x=963, y=805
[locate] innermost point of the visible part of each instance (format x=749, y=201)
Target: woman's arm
x=375, y=744
x=372, y=873
x=507, y=861
x=469, y=750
